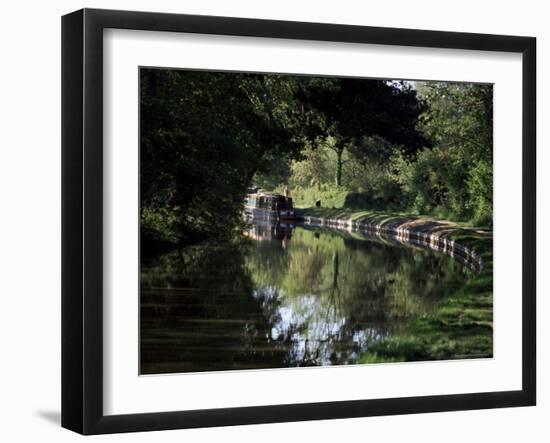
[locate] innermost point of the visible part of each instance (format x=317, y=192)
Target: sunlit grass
x=461, y=327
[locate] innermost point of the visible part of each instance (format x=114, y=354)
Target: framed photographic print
x=269, y=221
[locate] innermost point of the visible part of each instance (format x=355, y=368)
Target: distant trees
x=436, y=159
x=456, y=175
x=346, y=110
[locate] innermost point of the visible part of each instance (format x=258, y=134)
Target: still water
x=279, y=297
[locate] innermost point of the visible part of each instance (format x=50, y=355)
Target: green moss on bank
x=462, y=327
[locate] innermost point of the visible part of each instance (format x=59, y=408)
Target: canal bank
x=466, y=243
x=462, y=325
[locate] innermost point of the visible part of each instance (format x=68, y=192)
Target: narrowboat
x=269, y=207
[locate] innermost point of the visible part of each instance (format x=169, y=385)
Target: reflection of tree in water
x=255, y=304
x=338, y=294
x=318, y=331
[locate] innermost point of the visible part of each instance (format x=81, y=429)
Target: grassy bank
x=342, y=199
x=462, y=324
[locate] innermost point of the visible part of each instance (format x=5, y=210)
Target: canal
x=279, y=297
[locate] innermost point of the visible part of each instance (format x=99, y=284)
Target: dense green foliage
x=449, y=176
x=456, y=175
x=203, y=136
x=206, y=136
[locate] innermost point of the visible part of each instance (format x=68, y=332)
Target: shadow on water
x=284, y=296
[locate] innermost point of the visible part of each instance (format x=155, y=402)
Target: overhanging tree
x=203, y=136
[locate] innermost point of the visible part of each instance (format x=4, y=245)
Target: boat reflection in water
x=261, y=230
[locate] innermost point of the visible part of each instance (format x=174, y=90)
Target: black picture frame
x=82, y=218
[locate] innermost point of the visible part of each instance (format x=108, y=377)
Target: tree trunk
x=339, y=163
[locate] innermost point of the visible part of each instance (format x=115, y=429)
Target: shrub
x=480, y=187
